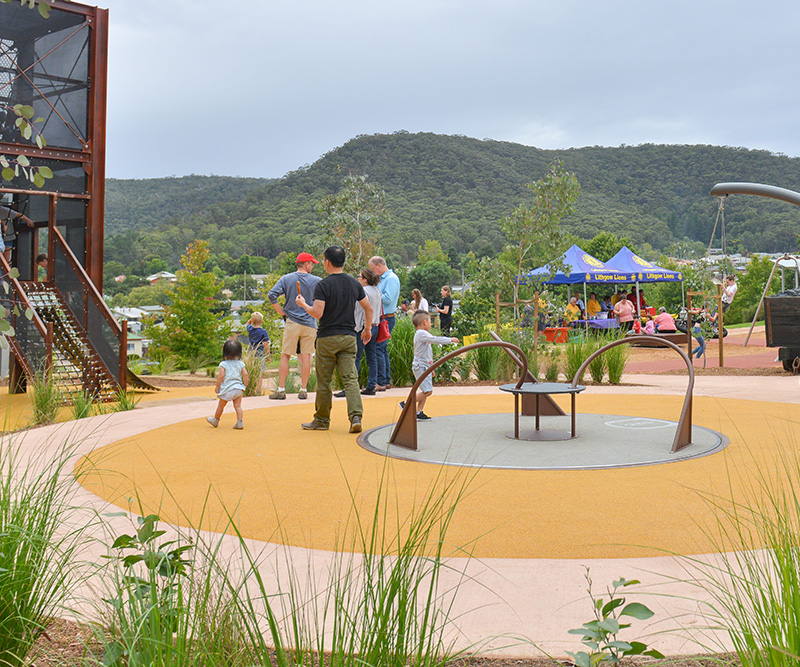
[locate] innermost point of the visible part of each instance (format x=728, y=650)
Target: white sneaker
x=238, y=425
x=213, y=421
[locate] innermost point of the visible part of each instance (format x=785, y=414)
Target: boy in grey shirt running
x=423, y=358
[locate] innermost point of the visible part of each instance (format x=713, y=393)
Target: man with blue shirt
x=389, y=286
x=299, y=326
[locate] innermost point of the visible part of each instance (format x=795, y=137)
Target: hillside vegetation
x=455, y=190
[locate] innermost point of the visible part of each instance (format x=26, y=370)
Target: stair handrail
x=87, y=283
x=37, y=321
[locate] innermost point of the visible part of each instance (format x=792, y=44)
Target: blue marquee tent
x=581, y=268
x=644, y=272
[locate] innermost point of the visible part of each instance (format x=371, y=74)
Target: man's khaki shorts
x=294, y=332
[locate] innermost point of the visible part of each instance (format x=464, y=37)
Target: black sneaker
x=402, y=404
x=421, y=416
x=340, y=394
x=367, y=392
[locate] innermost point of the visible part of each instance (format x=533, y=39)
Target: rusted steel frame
x=96, y=116
x=531, y=404
x=405, y=430
x=123, y=356
x=683, y=434
x=90, y=288
x=62, y=154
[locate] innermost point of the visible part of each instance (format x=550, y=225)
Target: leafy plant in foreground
x=600, y=634
x=148, y=605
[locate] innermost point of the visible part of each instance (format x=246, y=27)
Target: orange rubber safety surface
x=283, y=484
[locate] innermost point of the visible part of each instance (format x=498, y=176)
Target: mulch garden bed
x=65, y=643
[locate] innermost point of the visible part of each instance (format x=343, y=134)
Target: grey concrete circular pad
x=604, y=441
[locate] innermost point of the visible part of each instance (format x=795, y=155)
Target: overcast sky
x=263, y=87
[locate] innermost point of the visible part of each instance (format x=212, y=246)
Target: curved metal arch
x=405, y=430
x=759, y=189
x=683, y=434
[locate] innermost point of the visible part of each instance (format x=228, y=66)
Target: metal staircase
x=63, y=328
x=76, y=367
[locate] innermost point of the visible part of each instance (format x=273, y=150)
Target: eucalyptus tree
x=351, y=219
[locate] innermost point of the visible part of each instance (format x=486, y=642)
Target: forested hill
x=149, y=202
x=456, y=189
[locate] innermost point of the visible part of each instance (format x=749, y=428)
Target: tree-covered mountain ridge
x=456, y=189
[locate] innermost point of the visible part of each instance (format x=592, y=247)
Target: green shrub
x=597, y=367
x=577, y=351
x=197, y=361
x=487, y=363
x=254, y=365
x=46, y=398
x=401, y=352
x=82, y=405
x=552, y=364
x=616, y=358
x=125, y=400
x=445, y=372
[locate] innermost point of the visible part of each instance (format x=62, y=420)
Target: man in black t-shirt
x=334, y=306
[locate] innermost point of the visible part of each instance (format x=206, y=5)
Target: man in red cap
x=299, y=326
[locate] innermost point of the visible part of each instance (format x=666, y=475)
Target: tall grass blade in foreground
x=39, y=551
x=382, y=603
x=755, y=582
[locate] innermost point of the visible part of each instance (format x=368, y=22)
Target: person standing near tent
x=729, y=292
x=593, y=306
x=572, y=311
x=624, y=312
x=579, y=302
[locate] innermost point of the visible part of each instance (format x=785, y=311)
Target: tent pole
x=585, y=313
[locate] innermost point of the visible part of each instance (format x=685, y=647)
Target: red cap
x=305, y=257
